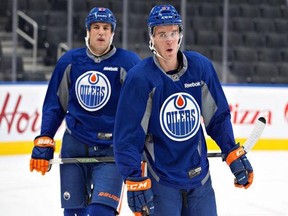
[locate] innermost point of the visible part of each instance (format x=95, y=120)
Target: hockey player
x=162, y=104
x=84, y=89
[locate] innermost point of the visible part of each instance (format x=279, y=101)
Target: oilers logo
x=180, y=116
x=93, y=90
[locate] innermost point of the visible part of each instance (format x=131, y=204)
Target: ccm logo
x=234, y=155
x=138, y=186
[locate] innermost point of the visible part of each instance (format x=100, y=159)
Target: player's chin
x=170, y=55
x=101, y=42
x=103, y=46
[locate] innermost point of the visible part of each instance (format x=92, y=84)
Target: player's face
x=100, y=36
x=166, y=41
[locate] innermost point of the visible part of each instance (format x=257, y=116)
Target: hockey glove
x=42, y=152
x=140, y=196
x=240, y=167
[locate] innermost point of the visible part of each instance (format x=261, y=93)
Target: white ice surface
x=23, y=193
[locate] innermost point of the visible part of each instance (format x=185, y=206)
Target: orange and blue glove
x=140, y=195
x=240, y=167
x=43, y=151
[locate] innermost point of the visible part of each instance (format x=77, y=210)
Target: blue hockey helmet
x=100, y=14
x=163, y=15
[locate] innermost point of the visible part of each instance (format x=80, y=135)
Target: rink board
x=21, y=105
x=22, y=147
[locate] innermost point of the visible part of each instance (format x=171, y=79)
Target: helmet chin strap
x=155, y=52
x=87, y=42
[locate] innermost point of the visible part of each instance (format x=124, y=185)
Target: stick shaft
x=248, y=145
x=82, y=160
x=214, y=154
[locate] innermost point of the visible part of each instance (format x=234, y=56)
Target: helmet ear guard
x=151, y=46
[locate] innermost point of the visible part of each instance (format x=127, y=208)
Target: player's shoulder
x=127, y=53
x=141, y=74
x=197, y=58
x=142, y=70
x=147, y=62
x=71, y=54
x=195, y=55
x=144, y=65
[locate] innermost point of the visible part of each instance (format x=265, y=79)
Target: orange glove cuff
x=138, y=186
x=44, y=142
x=234, y=155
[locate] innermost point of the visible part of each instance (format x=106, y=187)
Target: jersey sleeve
x=129, y=135
x=56, y=100
x=215, y=110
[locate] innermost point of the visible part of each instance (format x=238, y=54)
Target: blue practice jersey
x=163, y=114
x=84, y=90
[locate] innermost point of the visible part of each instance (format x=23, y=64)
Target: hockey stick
x=251, y=140
x=248, y=145
x=82, y=160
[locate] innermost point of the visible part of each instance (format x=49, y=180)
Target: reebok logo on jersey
x=92, y=90
x=180, y=116
x=110, y=69
x=192, y=84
